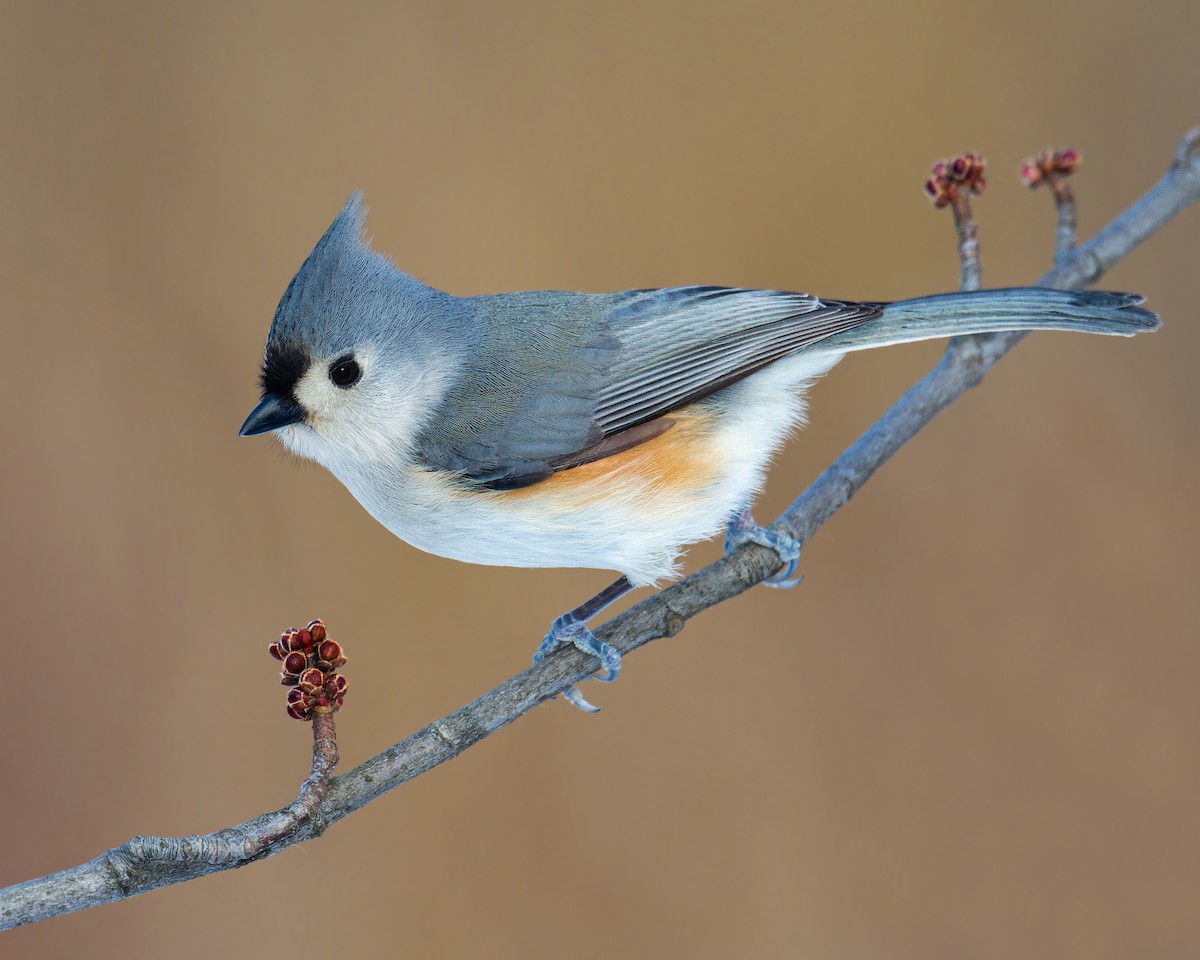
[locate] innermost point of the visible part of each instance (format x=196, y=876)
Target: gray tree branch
x=146, y=863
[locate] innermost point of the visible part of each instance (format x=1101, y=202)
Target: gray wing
x=572, y=378
x=684, y=343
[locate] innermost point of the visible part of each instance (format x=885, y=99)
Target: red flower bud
x=311, y=680
x=300, y=704
x=316, y=629
x=291, y=641
x=294, y=663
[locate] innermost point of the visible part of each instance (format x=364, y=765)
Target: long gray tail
x=985, y=311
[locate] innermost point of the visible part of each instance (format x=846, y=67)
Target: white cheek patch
x=374, y=422
x=316, y=394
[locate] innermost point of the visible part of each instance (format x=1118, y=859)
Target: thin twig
x=1054, y=167
x=1064, y=202
x=144, y=865
x=303, y=810
x=968, y=243
x=951, y=183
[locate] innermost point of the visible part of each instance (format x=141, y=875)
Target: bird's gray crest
x=345, y=234
x=324, y=286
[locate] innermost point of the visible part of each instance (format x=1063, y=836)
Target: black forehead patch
x=283, y=366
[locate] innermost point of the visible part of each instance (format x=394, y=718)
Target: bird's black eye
x=344, y=372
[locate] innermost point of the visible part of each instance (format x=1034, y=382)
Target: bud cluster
x=963, y=172
x=310, y=660
x=1050, y=163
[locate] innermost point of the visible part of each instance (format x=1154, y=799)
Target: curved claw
x=609, y=659
x=575, y=698
x=780, y=580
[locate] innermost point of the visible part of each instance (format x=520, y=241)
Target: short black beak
x=272, y=413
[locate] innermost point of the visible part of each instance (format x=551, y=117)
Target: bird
x=568, y=429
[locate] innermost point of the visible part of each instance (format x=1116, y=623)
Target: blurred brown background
x=984, y=743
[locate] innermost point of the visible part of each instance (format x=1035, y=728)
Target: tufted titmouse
x=561, y=429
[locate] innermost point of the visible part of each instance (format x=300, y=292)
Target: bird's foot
x=571, y=628
x=742, y=529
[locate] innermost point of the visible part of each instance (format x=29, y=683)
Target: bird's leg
x=572, y=628
x=742, y=529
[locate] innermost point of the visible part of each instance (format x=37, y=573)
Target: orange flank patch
x=680, y=459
